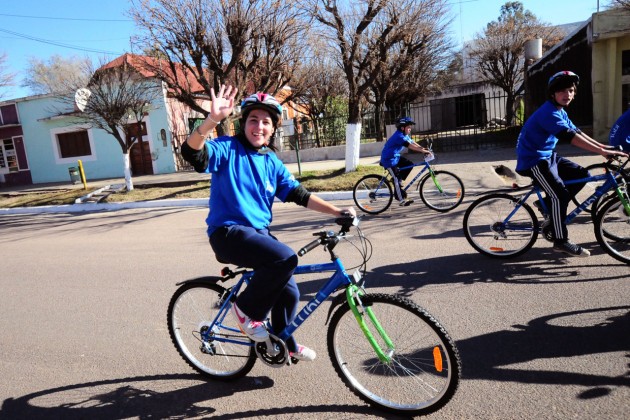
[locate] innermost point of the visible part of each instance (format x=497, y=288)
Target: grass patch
x=315, y=181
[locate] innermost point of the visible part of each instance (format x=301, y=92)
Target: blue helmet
x=404, y=122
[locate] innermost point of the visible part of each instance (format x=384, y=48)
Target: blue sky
x=101, y=29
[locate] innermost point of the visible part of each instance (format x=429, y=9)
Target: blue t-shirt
x=390, y=155
x=537, y=139
x=244, y=184
x=620, y=132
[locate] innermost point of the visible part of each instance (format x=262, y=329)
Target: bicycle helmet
x=404, y=122
x=562, y=80
x=263, y=101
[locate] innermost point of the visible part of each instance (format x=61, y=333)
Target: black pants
x=273, y=287
x=549, y=176
x=399, y=175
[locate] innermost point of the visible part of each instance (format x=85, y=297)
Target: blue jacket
x=244, y=184
x=390, y=155
x=620, y=132
x=539, y=135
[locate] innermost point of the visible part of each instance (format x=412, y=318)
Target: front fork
x=353, y=295
x=435, y=181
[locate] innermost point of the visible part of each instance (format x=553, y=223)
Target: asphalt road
x=83, y=320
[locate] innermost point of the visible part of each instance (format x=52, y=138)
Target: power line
x=58, y=44
x=64, y=18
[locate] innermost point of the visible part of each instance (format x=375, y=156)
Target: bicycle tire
x=373, y=194
x=445, y=198
x=612, y=229
x=485, y=230
x=185, y=321
x=425, y=369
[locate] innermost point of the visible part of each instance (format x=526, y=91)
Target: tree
x=118, y=97
x=499, y=50
x=54, y=75
x=6, y=78
x=411, y=59
x=361, y=31
x=255, y=45
x=625, y=4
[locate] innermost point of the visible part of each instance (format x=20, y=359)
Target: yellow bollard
x=82, y=175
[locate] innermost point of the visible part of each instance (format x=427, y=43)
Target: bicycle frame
x=339, y=279
x=610, y=184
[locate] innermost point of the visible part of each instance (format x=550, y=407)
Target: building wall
x=40, y=126
x=610, y=37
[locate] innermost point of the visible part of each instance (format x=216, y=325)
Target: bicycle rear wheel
x=489, y=231
x=612, y=229
x=373, y=194
x=443, y=194
x=424, y=369
x=191, y=311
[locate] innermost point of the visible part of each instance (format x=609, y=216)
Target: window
x=8, y=115
x=8, y=156
x=74, y=144
x=625, y=80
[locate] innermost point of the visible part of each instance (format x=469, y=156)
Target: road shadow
x=490, y=356
x=149, y=397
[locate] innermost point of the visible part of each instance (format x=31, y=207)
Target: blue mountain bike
x=390, y=352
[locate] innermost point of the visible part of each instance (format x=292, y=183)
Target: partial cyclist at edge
x=620, y=132
x=537, y=157
x=246, y=178
x=392, y=160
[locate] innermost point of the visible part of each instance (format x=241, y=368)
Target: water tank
x=533, y=49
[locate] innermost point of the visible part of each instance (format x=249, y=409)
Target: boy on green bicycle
x=393, y=161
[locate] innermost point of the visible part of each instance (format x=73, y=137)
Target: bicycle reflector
x=437, y=358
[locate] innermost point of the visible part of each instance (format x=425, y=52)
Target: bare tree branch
x=6, y=78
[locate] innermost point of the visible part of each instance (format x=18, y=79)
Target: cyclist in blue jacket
x=393, y=161
x=246, y=178
x=620, y=132
x=536, y=156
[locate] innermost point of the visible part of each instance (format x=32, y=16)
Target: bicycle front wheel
x=612, y=229
x=373, y=194
x=443, y=192
x=423, y=370
x=191, y=311
x=491, y=230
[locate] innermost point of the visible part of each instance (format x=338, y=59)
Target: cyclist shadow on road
x=159, y=396
x=552, y=337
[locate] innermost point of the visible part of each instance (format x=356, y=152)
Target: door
x=140, y=152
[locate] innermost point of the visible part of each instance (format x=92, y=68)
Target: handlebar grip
x=309, y=247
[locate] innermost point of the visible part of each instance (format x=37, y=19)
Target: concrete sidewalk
x=480, y=171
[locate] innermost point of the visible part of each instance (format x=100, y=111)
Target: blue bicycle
x=441, y=191
x=390, y=352
x=503, y=226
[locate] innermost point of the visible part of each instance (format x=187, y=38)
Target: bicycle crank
x=273, y=352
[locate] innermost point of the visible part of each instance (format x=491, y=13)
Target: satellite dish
x=81, y=98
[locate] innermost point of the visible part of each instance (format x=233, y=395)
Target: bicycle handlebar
x=328, y=237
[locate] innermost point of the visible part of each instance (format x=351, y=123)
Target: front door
x=140, y=152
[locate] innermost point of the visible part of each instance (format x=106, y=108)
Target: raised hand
x=222, y=103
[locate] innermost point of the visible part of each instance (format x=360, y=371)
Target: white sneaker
x=304, y=353
x=253, y=329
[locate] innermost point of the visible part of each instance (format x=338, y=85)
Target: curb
x=182, y=202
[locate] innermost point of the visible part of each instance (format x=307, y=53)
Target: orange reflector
x=459, y=193
x=437, y=359
x=494, y=248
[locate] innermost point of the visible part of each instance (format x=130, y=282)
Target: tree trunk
x=379, y=122
x=509, y=110
x=127, y=170
x=353, y=135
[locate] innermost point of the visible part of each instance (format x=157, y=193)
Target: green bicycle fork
x=352, y=294
x=435, y=181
